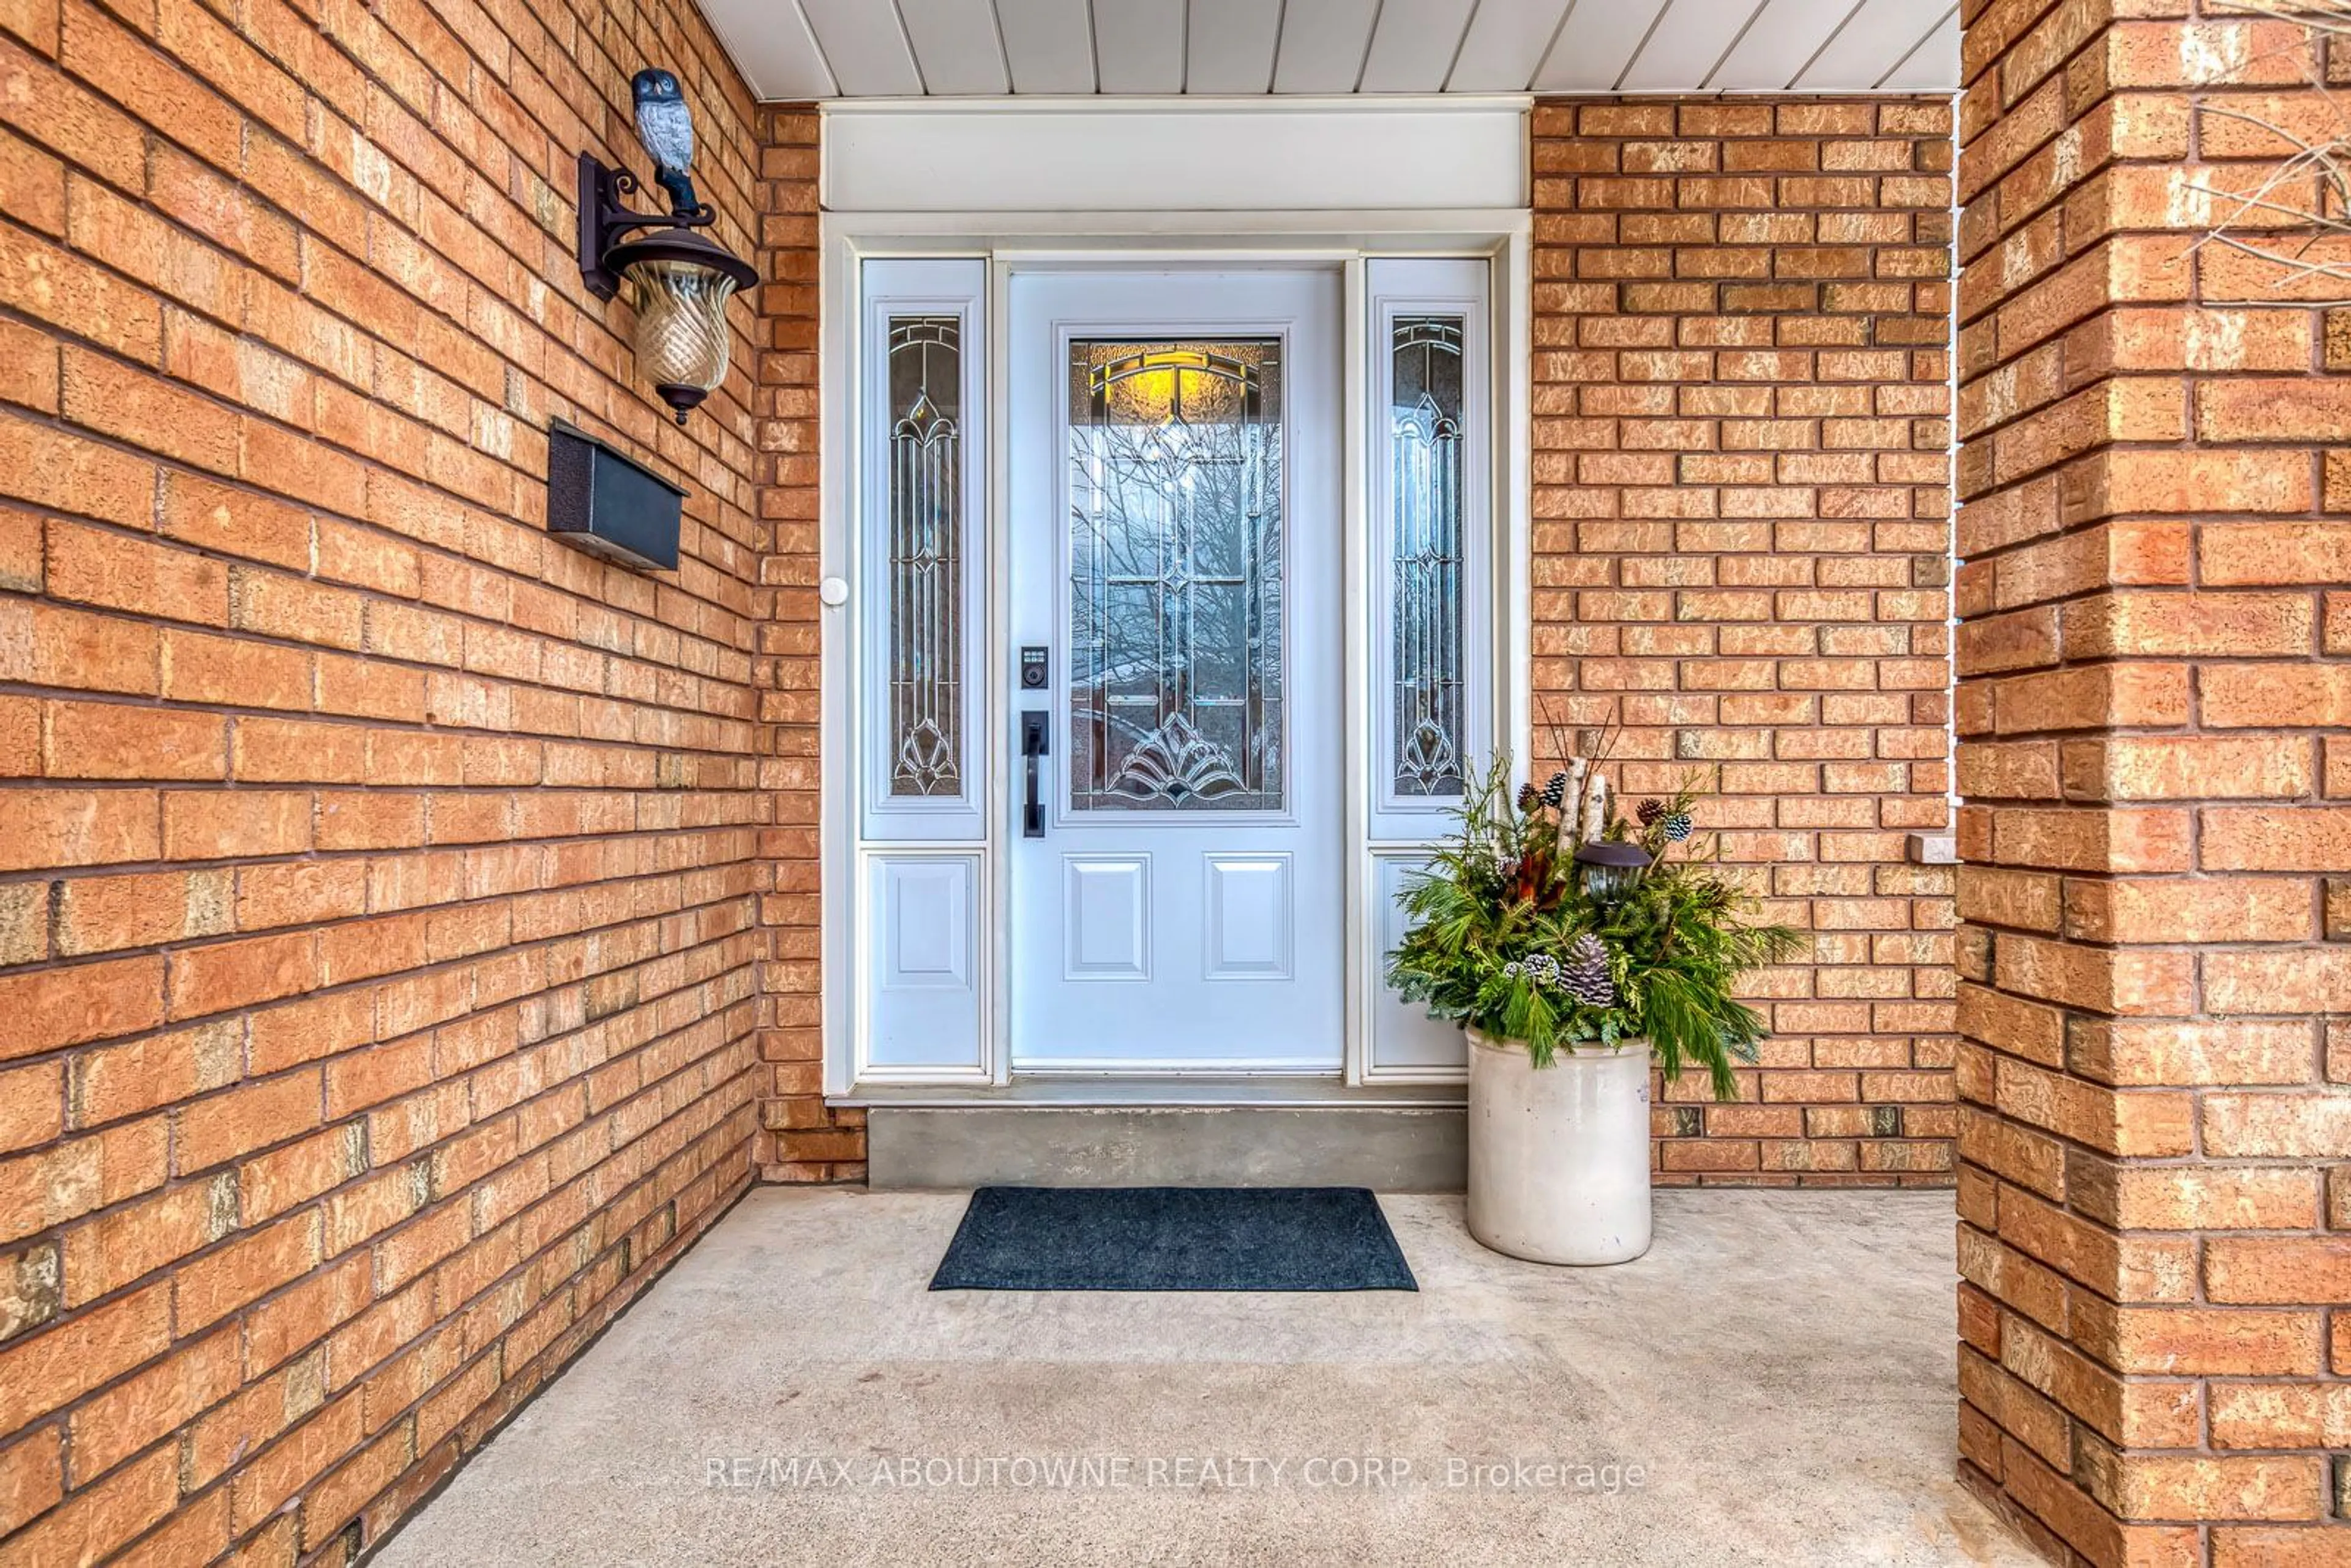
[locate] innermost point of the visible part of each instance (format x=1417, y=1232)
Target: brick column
x=2151, y=692
x=1741, y=558
x=800, y=1139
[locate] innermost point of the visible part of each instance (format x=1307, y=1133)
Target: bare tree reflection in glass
x=1176, y=591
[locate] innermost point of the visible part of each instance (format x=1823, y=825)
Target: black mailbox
x=600, y=500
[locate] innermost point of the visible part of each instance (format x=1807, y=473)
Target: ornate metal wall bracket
x=605, y=218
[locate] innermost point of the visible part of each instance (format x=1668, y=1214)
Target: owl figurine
x=665, y=127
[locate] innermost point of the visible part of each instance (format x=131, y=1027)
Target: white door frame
x=1242, y=234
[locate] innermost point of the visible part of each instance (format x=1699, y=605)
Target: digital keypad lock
x=1036, y=671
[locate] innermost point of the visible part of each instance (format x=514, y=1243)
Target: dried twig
x=2308, y=190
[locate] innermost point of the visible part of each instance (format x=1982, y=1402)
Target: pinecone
x=1528, y=796
x=1554, y=793
x=1650, y=811
x=1585, y=975
x=1679, y=827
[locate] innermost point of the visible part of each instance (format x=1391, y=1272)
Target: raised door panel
x=923, y=996
x=1250, y=917
x=1406, y=1041
x=1106, y=913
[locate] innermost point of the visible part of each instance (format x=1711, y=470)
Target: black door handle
x=1036, y=741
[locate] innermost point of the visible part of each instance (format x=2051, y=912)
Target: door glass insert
x=925, y=629
x=1175, y=575
x=1425, y=490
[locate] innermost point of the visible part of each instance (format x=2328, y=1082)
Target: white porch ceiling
x=799, y=49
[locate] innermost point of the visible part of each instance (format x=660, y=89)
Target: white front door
x=1176, y=886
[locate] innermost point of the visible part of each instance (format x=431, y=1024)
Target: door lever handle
x=1036, y=742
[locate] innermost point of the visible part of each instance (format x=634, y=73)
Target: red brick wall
x=379, y=881
x=801, y=1140
x=2156, y=1362
x=1741, y=544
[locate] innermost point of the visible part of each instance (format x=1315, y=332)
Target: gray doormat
x=1174, y=1238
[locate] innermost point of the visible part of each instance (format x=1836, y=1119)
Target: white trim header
x=1100, y=156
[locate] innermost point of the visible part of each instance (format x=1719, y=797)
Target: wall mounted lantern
x=681, y=276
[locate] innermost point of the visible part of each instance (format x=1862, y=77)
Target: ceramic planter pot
x=1559, y=1155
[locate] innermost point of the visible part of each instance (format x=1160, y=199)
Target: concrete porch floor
x=1780, y=1367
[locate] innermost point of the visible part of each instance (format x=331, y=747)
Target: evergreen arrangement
x=1506, y=939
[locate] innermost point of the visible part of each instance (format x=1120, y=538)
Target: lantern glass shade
x=679, y=276
x=1611, y=871
x=681, y=337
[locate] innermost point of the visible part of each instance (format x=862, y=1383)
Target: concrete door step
x=1388, y=1149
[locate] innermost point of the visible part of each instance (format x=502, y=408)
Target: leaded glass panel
x=925, y=549
x=1426, y=565
x=1176, y=577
